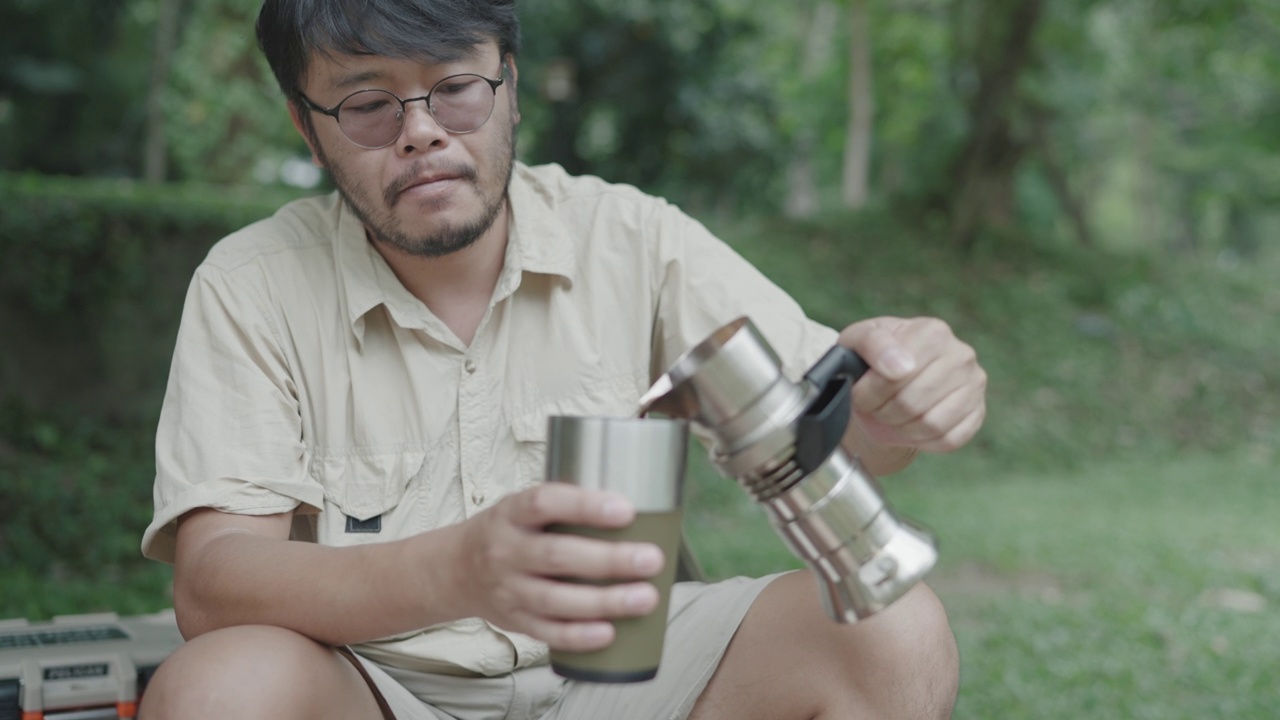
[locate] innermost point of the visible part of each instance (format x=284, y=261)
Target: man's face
x=430, y=193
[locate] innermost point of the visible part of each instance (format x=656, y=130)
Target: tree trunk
x=1059, y=181
x=815, y=47
x=155, y=152
x=857, y=147
x=986, y=168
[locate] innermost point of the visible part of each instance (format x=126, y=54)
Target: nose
x=420, y=130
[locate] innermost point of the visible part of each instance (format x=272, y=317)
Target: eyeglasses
x=374, y=119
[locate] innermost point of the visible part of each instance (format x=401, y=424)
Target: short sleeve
x=230, y=432
x=704, y=284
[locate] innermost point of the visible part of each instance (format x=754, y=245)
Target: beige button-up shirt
x=307, y=378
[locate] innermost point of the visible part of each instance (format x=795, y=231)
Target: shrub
x=91, y=287
x=92, y=284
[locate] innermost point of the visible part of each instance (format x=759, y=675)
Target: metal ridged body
x=834, y=517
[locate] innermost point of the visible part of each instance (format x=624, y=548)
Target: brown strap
x=377, y=694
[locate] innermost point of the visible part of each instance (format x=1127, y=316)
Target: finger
x=946, y=364
x=561, y=600
x=559, y=553
x=958, y=435
x=896, y=404
x=902, y=422
x=571, y=636
x=885, y=353
x=557, y=502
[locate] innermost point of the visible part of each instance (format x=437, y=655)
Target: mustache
x=410, y=177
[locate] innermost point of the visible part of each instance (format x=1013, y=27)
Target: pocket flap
x=365, y=485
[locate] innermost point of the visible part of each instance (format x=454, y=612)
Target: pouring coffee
x=781, y=441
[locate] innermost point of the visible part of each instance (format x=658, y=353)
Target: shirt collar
x=538, y=242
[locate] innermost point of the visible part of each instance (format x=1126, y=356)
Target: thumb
x=876, y=342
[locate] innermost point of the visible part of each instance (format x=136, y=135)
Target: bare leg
x=257, y=672
x=788, y=660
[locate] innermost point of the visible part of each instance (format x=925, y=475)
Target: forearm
x=335, y=595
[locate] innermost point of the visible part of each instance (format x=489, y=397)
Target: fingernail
x=638, y=600
x=614, y=509
x=647, y=559
x=594, y=633
x=897, y=362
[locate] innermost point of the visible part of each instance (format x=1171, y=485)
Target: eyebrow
x=362, y=78
x=347, y=82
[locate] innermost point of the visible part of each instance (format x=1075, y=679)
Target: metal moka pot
x=781, y=441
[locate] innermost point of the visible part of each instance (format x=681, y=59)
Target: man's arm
x=241, y=570
x=925, y=391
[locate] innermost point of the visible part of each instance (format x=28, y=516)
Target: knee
x=917, y=647
x=241, y=672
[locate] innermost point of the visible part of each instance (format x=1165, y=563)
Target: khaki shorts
x=703, y=618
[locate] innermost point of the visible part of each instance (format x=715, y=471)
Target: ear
x=295, y=114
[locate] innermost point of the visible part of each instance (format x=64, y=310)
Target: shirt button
x=477, y=497
x=469, y=366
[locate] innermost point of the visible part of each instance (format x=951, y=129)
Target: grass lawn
x=1122, y=590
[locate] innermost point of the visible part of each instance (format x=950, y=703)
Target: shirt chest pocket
x=613, y=396
x=367, y=495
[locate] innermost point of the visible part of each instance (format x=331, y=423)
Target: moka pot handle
x=822, y=424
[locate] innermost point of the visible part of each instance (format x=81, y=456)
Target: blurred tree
x=226, y=117
x=896, y=148
x=814, y=36
x=1157, y=124
x=1137, y=123
x=662, y=95
x=71, y=75
x=155, y=155
x=1219, y=98
x=855, y=180
x=994, y=46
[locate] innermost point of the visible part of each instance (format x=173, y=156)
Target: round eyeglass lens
x=371, y=118
x=462, y=103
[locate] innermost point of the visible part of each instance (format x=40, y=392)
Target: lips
x=418, y=179
x=428, y=180
x=422, y=183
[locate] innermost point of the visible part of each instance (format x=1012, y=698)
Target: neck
x=457, y=287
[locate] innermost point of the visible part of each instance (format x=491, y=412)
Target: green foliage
x=92, y=282
x=72, y=86
x=228, y=120
x=1165, y=114
x=1089, y=355
x=71, y=246
x=1133, y=124
x=74, y=499
x=661, y=95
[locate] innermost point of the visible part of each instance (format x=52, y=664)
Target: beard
x=447, y=238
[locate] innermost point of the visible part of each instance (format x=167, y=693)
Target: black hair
x=290, y=31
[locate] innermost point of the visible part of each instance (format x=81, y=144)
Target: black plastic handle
x=822, y=424
x=838, y=361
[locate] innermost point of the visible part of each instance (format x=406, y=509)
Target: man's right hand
x=509, y=566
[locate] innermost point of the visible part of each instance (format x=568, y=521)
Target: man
x=350, y=450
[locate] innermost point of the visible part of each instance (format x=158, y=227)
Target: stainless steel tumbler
x=644, y=460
